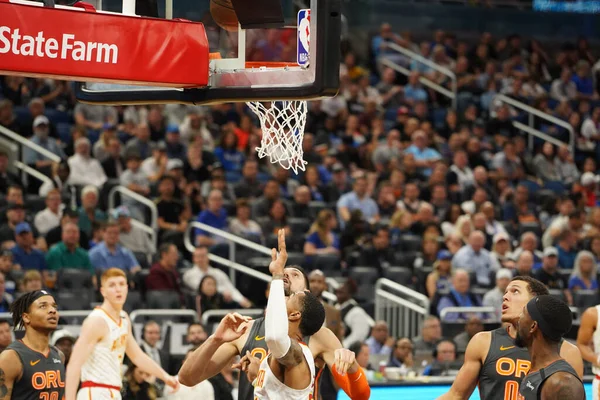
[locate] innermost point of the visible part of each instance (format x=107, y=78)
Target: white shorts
x=98, y=393
x=595, y=388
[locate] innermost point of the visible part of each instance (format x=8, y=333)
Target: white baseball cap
x=588, y=178
x=62, y=334
x=40, y=120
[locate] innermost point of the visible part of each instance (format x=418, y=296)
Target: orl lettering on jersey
x=64, y=48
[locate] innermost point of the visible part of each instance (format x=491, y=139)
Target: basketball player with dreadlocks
x=492, y=359
x=105, y=337
x=31, y=369
x=210, y=358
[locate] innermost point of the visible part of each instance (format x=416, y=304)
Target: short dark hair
x=534, y=286
x=164, y=248
x=313, y=315
x=557, y=314
x=195, y=324
x=356, y=347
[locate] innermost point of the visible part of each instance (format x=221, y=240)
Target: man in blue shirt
x=110, y=254
x=459, y=296
x=414, y=91
x=41, y=129
x=475, y=258
x=425, y=157
x=24, y=254
x=357, y=199
x=214, y=216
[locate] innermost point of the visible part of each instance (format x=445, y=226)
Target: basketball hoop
x=282, y=124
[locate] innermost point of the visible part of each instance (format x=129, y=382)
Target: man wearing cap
x=24, y=254
x=589, y=181
x=425, y=157
x=493, y=298
x=85, y=170
x=387, y=150
x=15, y=214
x=249, y=187
x=134, y=179
x=36, y=108
x=41, y=129
x=132, y=237
x=339, y=184
x=89, y=212
x=100, y=150
x=548, y=274
x=67, y=253
x=54, y=235
x=175, y=149
x=141, y=143
x=64, y=340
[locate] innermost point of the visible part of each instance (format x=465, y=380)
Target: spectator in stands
x=567, y=251
x=566, y=166
x=439, y=279
x=410, y=201
x=100, y=150
x=333, y=319
x=378, y=253
x=361, y=349
x=7, y=116
x=60, y=180
x=175, y=149
x=5, y=298
x=507, y=164
x=353, y=315
x=563, y=88
x=164, y=275
x=15, y=214
x=85, y=170
x=474, y=258
x=242, y=225
x=64, y=340
x=494, y=297
x=7, y=267
x=197, y=166
x=313, y=181
x=390, y=92
x=357, y=200
x=25, y=255
x=32, y=280
x=425, y=157
x=414, y=91
x=520, y=210
x=321, y=239
x=386, y=151
x=583, y=80
x=130, y=236
x=193, y=276
x=339, y=184
x=5, y=335
x=249, y=187
x=155, y=167
x=430, y=247
x=287, y=185
x=67, y=253
x=300, y=205
x=151, y=337
x=113, y=164
x=49, y=217
x=444, y=363
x=135, y=180
x=215, y=216
x=501, y=251
x=89, y=211
x=460, y=296
x=472, y=327
x=380, y=341
x=141, y=144
x=196, y=334
x=524, y=264
x=277, y=219
x=208, y=297
x=402, y=354
x=137, y=384
x=584, y=272
x=41, y=129
x=460, y=173
x=545, y=165
x=110, y=254
x=7, y=178
x=98, y=230
x=172, y=213
x=93, y=117
x=431, y=333
x=54, y=235
x=227, y=153
x=262, y=205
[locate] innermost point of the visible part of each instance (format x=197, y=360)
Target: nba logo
x=303, y=37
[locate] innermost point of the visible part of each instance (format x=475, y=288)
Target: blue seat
x=555, y=186
x=64, y=131
x=531, y=185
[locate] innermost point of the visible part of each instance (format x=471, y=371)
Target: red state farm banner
x=78, y=45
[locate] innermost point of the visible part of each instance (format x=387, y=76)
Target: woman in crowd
x=440, y=278
x=137, y=386
x=276, y=220
x=228, y=154
x=242, y=225
x=430, y=249
x=321, y=239
x=584, y=272
x=208, y=298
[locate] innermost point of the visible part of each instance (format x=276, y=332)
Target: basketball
x=224, y=15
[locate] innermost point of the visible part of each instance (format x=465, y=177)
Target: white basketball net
x=282, y=124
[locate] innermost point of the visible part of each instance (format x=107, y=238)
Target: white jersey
x=268, y=387
x=104, y=364
x=596, y=341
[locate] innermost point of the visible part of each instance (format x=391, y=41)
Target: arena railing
x=490, y=311
x=140, y=199
x=233, y=242
x=529, y=128
x=404, y=309
x=450, y=93
x=15, y=137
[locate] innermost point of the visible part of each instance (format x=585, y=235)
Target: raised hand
x=345, y=361
x=248, y=364
x=278, y=261
x=231, y=327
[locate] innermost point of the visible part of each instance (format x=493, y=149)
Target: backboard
x=247, y=65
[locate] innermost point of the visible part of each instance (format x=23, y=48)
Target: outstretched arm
x=562, y=386
x=92, y=331
x=468, y=376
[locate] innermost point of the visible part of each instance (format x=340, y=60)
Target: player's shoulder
x=10, y=360
x=563, y=385
x=590, y=315
x=479, y=344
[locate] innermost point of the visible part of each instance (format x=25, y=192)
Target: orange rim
x=270, y=64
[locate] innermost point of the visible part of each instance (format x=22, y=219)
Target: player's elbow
x=186, y=378
x=278, y=344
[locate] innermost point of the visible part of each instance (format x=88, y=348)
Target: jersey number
x=49, y=396
x=511, y=391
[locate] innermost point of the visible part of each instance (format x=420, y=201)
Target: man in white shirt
x=563, y=88
x=590, y=131
x=193, y=276
x=131, y=236
x=85, y=170
x=50, y=216
x=134, y=179
x=155, y=167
